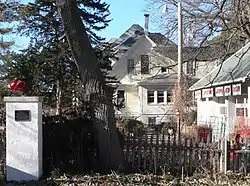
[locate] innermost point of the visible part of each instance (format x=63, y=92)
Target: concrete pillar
x=23, y=138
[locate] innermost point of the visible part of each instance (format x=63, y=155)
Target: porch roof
x=160, y=79
x=167, y=79
x=235, y=69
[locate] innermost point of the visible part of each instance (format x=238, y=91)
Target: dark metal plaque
x=22, y=115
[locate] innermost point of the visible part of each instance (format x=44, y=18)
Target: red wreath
x=17, y=85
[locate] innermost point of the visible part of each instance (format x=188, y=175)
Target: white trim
x=220, y=83
x=165, y=97
x=151, y=41
x=155, y=97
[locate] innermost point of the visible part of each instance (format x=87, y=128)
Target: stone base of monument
x=23, y=138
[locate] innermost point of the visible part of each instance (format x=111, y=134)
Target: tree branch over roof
x=221, y=26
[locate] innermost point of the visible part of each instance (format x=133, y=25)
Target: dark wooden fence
x=68, y=146
x=157, y=152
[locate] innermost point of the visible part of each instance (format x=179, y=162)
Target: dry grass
x=140, y=179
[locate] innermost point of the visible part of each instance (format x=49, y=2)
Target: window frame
x=163, y=69
x=119, y=101
x=145, y=68
x=151, y=96
x=190, y=67
x=162, y=97
x=130, y=68
x=153, y=119
x=169, y=96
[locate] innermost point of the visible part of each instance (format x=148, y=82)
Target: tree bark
x=95, y=88
x=58, y=98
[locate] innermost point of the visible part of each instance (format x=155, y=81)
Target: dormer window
x=121, y=98
x=144, y=64
x=191, y=68
x=131, y=66
x=163, y=69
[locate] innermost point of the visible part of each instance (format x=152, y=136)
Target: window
x=151, y=96
x=144, y=64
x=169, y=97
x=160, y=96
x=121, y=98
x=131, y=66
x=240, y=112
x=151, y=120
x=190, y=68
x=163, y=69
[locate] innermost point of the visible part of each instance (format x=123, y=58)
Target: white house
x=223, y=96
x=146, y=76
x=147, y=71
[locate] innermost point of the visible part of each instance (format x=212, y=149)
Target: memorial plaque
x=22, y=115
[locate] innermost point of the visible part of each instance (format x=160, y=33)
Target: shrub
x=130, y=126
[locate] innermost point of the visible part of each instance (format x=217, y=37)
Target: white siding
x=136, y=96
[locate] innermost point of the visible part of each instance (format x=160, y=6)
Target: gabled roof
x=235, y=69
x=134, y=33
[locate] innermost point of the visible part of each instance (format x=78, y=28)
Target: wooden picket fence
x=158, y=152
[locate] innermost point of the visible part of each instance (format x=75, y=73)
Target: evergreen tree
x=49, y=50
x=6, y=9
x=49, y=64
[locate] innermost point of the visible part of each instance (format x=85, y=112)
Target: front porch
x=225, y=109
x=223, y=97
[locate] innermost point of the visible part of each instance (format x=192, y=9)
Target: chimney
x=146, y=16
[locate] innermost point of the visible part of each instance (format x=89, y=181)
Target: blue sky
x=124, y=13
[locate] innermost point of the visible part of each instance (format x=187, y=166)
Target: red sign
x=236, y=89
x=207, y=93
x=219, y=91
x=197, y=94
x=227, y=90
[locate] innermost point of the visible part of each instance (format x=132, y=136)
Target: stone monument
x=23, y=138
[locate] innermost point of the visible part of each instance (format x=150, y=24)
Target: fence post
x=225, y=156
x=222, y=155
x=224, y=148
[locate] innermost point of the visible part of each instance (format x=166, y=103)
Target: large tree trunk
x=95, y=88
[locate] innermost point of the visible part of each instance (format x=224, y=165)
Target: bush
x=130, y=126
